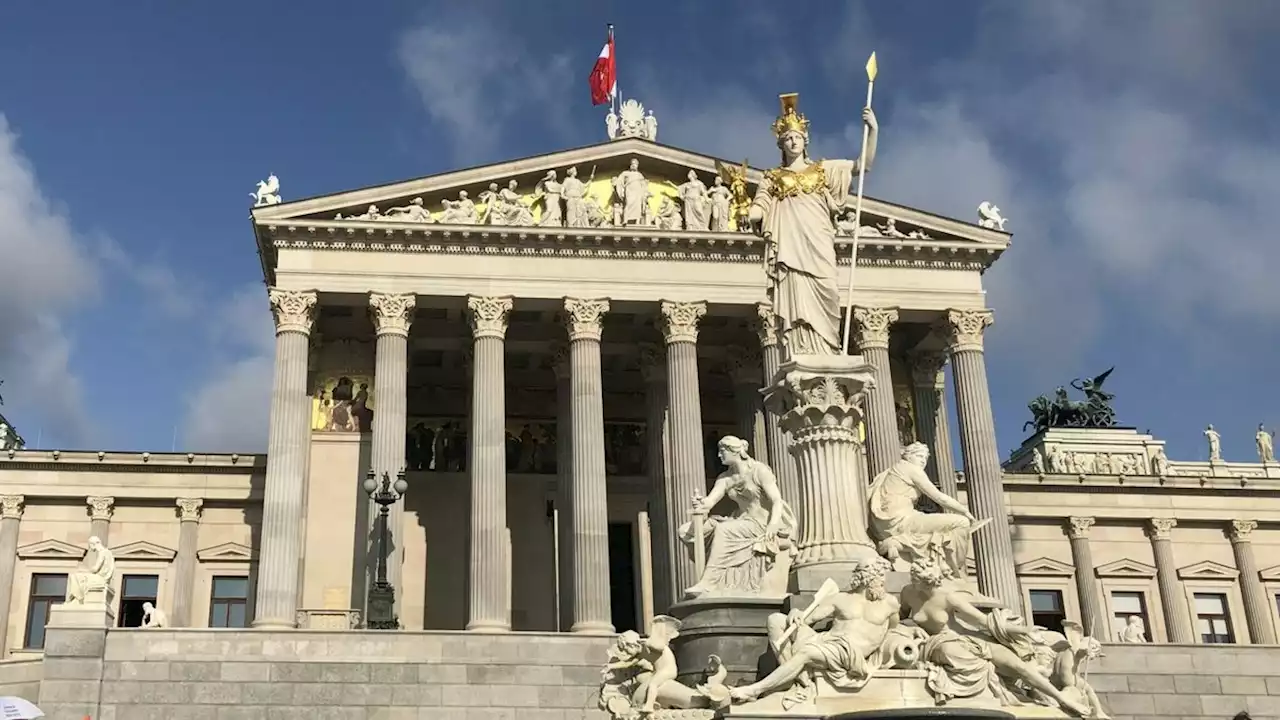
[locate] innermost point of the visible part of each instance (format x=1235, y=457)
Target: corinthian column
x=591, y=601
x=872, y=326
x=780, y=459
x=184, y=563
x=490, y=599
x=10, y=518
x=564, y=483
x=928, y=381
x=688, y=472
x=1177, y=617
x=100, y=511
x=287, y=438
x=657, y=456
x=392, y=316
x=1257, y=607
x=993, y=546
x=1091, y=613
x=744, y=371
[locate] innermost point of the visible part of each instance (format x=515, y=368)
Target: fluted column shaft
x=100, y=511
x=564, y=484
x=688, y=471
x=780, y=459
x=993, y=546
x=1177, y=616
x=1092, y=615
x=653, y=366
x=490, y=598
x=11, y=507
x=184, y=563
x=1257, y=607
x=928, y=385
x=591, y=600
x=392, y=316
x=883, y=445
x=287, y=441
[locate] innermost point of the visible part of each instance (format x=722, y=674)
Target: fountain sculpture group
x=852, y=601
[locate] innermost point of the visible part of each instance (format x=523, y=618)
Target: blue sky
x=1132, y=147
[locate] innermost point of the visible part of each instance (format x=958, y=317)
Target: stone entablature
x=1094, y=452
x=125, y=461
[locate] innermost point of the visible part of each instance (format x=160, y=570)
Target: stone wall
x=21, y=677
x=1188, y=681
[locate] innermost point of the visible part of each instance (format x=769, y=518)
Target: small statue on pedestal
x=94, y=577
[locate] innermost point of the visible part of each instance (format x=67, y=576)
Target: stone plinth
x=1080, y=449
x=819, y=401
x=98, y=612
x=732, y=628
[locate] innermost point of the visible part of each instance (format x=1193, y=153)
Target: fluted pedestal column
x=688, y=472
x=653, y=365
x=1177, y=617
x=819, y=399
x=591, y=600
x=564, y=484
x=287, y=442
x=872, y=327
x=489, y=607
x=744, y=371
x=11, y=507
x=1257, y=606
x=184, y=562
x=392, y=315
x=779, y=457
x=1092, y=615
x=100, y=511
x=933, y=428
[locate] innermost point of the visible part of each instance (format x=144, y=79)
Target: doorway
x=622, y=577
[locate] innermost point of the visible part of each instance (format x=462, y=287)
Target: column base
x=273, y=624
x=483, y=626
x=592, y=628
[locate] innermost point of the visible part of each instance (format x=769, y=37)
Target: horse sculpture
x=1094, y=411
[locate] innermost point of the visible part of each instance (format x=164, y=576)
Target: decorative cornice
x=189, y=509
x=926, y=368
x=392, y=314
x=584, y=318
x=680, y=320
x=1078, y=527
x=964, y=328
x=222, y=464
x=1161, y=528
x=1241, y=530
x=100, y=507
x=873, y=325
x=766, y=324
x=294, y=310
x=12, y=506
x=488, y=315
x=653, y=363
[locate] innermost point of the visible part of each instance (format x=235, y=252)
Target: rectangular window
x=1213, y=621
x=229, y=602
x=46, y=591
x=1125, y=605
x=1047, y=609
x=134, y=591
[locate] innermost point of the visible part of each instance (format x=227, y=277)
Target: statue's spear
x=872, y=69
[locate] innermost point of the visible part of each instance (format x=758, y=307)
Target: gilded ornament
x=790, y=119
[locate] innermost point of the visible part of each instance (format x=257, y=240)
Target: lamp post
x=381, y=614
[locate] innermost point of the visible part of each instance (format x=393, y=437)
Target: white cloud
x=230, y=411
x=45, y=271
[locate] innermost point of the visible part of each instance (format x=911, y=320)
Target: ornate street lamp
x=381, y=614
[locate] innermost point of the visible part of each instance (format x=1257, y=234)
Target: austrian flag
x=604, y=76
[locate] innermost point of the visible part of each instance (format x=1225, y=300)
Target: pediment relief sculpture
x=1207, y=570
x=1125, y=568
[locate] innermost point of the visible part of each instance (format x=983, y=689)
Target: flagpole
x=872, y=69
x=613, y=60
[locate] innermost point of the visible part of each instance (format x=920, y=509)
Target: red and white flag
x=604, y=76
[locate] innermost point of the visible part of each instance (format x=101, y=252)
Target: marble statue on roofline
x=630, y=120
x=268, y=192
x=989, y=216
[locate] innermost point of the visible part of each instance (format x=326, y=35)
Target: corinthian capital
x=766, y=325
x=1161, y=528
x=964, y=328
x=392, y=314
x=1079, y=527
x=584, y=318
x=294, y=310
x=926, y=368
x=189, y=509
x=100, y=508
x=1241, y=530
x=680, y=320
x=11, y=506
x=873, y=326
x=488, y=315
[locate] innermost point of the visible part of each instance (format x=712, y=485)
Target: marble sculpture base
x=733, y=628
x=90, y=615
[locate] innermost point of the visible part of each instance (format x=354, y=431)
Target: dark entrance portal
x=622, y=577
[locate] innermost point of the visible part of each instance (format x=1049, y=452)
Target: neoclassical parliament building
x=544, y=363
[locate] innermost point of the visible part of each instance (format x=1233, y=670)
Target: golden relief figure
x=343, y=404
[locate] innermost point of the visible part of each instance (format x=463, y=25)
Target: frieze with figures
x=343, y=403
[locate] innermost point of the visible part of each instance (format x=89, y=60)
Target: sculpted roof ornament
x=268, y=192
x=630, y=120
x=1061, y=411
x=989, y=217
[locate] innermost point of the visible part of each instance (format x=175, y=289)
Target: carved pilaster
x=1241, y=530
x=1078, y=527
x=872, y=326
x=12, y=506
x=963, y=329
x=294, y=310
x=392, y=314
x=101, y=508
x=766, y=325
x=190, y=509
x=680, y=321
x=1161, y=528
x=584, y=318
x=488, y=315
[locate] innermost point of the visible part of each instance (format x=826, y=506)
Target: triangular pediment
x=1125, y=568
x=143, y=550
x=1271, y=574
x=51, y=550
x=1045, y=567
x=1208, y=570
x=664, y=168
x=226, y=552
